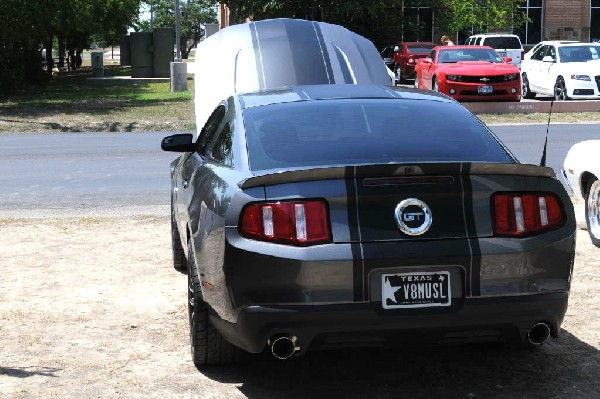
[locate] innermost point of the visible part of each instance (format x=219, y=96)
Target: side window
x=221, y=150
x=552, y=52
x=539, y=53
x=479, y=41
x=432, y=55
x=209, y=130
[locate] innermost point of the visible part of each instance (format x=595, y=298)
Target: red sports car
x=406, y=56
x=469, y=73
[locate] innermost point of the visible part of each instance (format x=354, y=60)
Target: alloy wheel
x=593, y=212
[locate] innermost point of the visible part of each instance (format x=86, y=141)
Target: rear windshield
x=358, y=131
x=421, y=48
x=503, y=42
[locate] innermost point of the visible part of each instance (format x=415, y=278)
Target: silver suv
x=506, y=44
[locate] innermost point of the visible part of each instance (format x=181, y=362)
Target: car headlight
x=453, y=78
x=581, y=77
x=511, y=77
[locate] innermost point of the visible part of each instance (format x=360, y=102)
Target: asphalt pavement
x=127, y=173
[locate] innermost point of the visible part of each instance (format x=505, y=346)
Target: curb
x=123, y=80
x=528, y=107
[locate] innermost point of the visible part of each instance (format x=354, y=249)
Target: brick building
x=574, y=19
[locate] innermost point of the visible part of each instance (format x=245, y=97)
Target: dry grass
x=68, y=104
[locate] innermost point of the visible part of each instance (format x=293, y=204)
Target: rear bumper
x=341, y=325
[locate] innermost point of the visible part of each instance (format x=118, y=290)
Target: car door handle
x=184, y=183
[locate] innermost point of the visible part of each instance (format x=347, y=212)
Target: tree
x=193, y=14
x=481, y=15
x=382, y=21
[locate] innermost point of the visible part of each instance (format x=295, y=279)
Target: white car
x=582, y=171
x=528, y=54
x=563, y=70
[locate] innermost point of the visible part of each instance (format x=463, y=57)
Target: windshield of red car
x=358, y=131
x=468, y=54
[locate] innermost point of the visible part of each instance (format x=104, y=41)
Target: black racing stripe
x=475, y=272
x=446, y=242
x=326, y=58
x=255, y=47
x=357, y=261
x=290, y=53
x=344, y=67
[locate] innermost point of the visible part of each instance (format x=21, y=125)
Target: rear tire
x=397, y=76
x=207, y=345
x=525, y=90
x=179, y=260
x=592, y=211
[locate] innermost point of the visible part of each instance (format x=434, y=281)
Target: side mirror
x=548, y=59
x=396, y=49
x=507, y=59
x=179, y=143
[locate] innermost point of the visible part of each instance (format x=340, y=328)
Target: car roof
x=463, y=47
x=415, y=43
x=577, y=44
x=334, y=91
x=493, y=34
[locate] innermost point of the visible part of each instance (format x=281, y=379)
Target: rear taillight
x=524, y=214
x=411, y=60
x=295, y=223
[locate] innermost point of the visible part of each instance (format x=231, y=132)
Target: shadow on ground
x=562, y=368
x=24, y=372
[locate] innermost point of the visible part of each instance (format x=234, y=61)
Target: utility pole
x=178, y=68
x=177, y=29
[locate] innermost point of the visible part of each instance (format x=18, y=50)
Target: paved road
x=89, y=173
x=527, y=141
x=127, y=173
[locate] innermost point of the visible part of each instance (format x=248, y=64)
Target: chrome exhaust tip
x=283, y=346
x=538, y=334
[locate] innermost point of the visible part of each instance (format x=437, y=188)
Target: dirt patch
x=90, y=307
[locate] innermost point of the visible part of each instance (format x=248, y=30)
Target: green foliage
x=481, y=15
x=193, y=14
x=382, y=21
x=27, y=26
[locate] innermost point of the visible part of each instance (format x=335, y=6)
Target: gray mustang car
x=351, y=215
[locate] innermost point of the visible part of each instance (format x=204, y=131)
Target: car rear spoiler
x=393, y=170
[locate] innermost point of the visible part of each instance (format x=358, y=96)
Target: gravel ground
x=90, y=307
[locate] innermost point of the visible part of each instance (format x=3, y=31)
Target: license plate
x=485, y=90
x=415, y=290
x=502, y=54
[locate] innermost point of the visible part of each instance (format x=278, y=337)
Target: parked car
x=278, y=52
x=564, y=71
x=330, y=216
x=405, y=56
x=469, y=73
x=529, y=53
x=582, y=172
x=506, y=44
x=387, y=54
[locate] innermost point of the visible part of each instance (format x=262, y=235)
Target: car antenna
x=543, y=160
